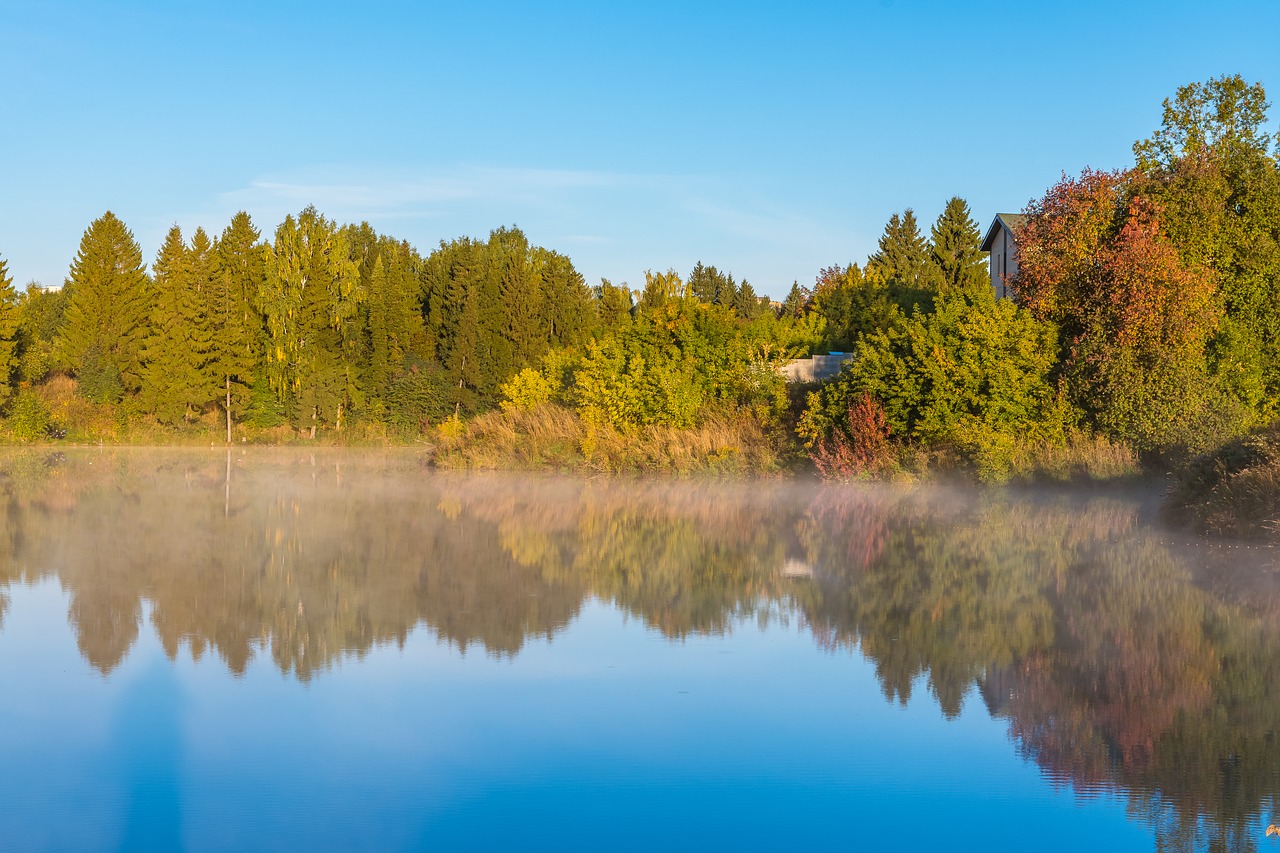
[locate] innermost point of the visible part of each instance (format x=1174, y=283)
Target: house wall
x=1004, y=261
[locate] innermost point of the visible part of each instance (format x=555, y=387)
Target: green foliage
x=237, y=333
x=98, y=378
x=902, y=262
x=614, y=305
x=107, y=313
x=177, y=383
x=853, y=305
x=310, y=298
x=973, y=376
x=1225, y=112
x=29, y=418
x=797, y=302
x=1213, y=173
x=41, y=316
x=417, y=395
x=709, y=285
x=9, y=339
x=525, y=391
x=495, y=308
x=956, y=251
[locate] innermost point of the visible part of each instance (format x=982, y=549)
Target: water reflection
x=1121, y=661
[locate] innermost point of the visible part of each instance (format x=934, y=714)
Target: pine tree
x=235, y=324
x=9, y=317
x=107, y=312
x=957, y=251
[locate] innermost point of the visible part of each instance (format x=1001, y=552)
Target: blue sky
x=768, y=139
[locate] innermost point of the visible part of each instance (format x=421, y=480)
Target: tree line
x=1145, y=321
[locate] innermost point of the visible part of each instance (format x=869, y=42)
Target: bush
x=974, y=377
x=28, y=418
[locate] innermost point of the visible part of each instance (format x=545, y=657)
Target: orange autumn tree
x=1094, y=258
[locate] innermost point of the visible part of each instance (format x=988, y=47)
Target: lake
x=284, y=649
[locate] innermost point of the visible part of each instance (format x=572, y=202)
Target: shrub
x=28, y=418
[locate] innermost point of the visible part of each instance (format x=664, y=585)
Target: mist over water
x=267, y=648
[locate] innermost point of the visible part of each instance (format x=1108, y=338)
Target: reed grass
x=556, y=438
x=1232, y=491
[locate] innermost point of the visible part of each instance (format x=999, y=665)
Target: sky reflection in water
x=347, y=650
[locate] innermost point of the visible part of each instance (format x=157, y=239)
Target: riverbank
x=1233, y=491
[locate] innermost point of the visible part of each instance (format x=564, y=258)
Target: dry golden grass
x=556, y=438
x=1233, y=491
x=1081, y=457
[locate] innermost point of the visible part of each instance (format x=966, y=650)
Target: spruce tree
x=176, y=382
x=710, y=286
x=9, y=317
x=237, y=345
x=957, y=251
x=797, y=301
x=745, y=303
x=902, y=254
x=107, y=311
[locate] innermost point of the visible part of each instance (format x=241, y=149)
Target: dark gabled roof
x=1012, y=221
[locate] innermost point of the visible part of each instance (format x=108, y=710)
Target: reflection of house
x=1001, y=243
x=794, y=568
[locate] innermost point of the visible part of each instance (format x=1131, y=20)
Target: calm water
x=281, y=650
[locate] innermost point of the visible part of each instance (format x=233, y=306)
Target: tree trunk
x=228, y=409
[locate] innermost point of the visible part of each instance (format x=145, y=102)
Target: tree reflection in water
x=1120, y=662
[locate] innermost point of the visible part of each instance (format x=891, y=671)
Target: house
x=1002, y=244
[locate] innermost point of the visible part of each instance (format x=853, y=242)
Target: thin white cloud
x=613, y=224
x=339, y=190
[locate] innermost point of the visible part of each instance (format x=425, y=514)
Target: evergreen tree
x=797, y=301
x=710, y=286
x=957, y=251
x=236, y=329
x=107, y=311
x=9, y=320
x=309, y=298
x=176, y=384
x=902, y=254
x=391, y=318
x=902, y=264
x=493, y=309
x=745, y=303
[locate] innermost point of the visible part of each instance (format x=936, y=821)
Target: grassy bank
x=552, y=437
x=1233, y=491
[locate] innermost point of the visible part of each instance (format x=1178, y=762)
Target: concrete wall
x=818, y=368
